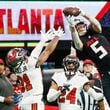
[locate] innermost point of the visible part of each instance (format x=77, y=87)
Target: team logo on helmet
x=11, y=55
x=15, y=57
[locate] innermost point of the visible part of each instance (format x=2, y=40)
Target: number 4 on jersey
x=71, y=96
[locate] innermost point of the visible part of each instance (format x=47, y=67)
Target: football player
x=66, y=85
x=28, y=70
x=88, y=40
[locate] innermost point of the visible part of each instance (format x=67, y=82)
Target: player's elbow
x=99, y=29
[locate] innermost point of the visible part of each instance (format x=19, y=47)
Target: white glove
x=58, y=32
x=70, y=20
x=46, y=36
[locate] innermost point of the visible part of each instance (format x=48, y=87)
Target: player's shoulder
x=58, y=75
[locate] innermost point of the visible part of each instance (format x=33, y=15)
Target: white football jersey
x=69, y=99
x=30, y=77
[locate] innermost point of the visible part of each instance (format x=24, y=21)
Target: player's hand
x=70, y=20
x=9, y=100
x=65, y=87
x=58, y=33
x=82, y=13
x=17, y=98
x=46, y=36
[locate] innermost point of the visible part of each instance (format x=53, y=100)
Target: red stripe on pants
x=34, y=106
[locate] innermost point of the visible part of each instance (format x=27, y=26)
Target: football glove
x=58, y=32
x=65, y=87
x=70, y=20
x=17, y=98
x=46, y=36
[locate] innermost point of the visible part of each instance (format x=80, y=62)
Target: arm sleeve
x=35, y=54
x=37, y=50
x=53, y=95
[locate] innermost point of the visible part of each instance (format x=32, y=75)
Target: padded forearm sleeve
x=53, y=95
x=95, y=95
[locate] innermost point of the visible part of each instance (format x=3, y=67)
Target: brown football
x=71, y=11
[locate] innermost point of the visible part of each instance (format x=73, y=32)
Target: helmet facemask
x=71, y=65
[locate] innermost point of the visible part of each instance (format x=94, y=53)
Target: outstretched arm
x=50, y=47
x=95, y=23
x=48, y=50
x=75, y=36
x=44, y=38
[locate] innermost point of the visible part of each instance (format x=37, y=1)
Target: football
x=71, y=11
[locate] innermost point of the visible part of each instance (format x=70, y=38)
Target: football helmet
x=15, y=57
x=70, y=64
x=79, y=21
x=81, y=26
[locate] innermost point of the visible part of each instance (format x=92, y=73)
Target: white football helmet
x=15, y=57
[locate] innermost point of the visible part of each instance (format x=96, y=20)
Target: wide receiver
x=66, y=85
x=28, y=70
x=91, y=43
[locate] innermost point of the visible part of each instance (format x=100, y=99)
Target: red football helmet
x=16, y=56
